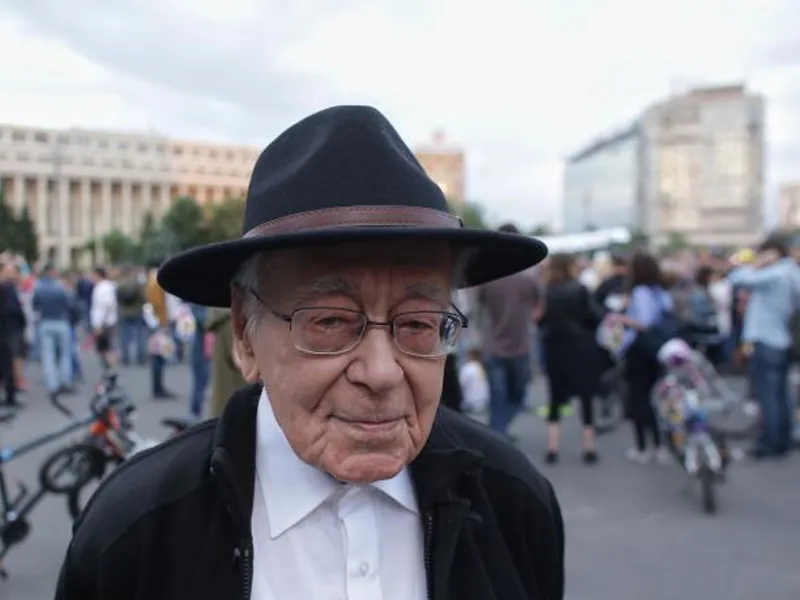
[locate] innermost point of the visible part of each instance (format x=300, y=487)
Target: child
x=474, y=384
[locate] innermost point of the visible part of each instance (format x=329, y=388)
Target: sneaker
x=663, y=457
x=641, y=457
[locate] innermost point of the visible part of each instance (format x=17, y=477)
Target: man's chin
x=368, y=467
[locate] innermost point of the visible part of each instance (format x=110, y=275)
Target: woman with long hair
x=649, y=302
x=568, y=324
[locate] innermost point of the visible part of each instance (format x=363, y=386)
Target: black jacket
x=174, y=522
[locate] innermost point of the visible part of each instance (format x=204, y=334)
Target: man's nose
x=377, y=366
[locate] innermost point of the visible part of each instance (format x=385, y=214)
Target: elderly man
x=335, y=474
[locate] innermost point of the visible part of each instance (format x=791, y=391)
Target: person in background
x=16, y=321
x=773, y=280
x=174, y=305
x=721, y=292
x=568, y=324
x=474, y=383
x=200, y=359
x=649, y=301
x=52, y=303
x=703, y=323
x=103, y=316
x=451, y=389
x=75, y=318
x=83, y=290
x=612, y=289
x=226, y=377
x=6, y=329
x=509, y=304
x=157, y=299
x=132, y=330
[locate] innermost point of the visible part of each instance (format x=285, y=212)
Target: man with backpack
x=131, y=300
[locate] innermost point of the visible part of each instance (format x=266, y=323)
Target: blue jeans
x=508, y=382
x=157, y=364
x=132, y=331
x=770, y=373
x=201, y=372
x=77, y=372
x=56, y=353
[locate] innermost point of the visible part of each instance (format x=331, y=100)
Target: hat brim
x=203, y=275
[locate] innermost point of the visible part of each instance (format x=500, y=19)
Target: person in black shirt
x=8, y=326
x=614, y=285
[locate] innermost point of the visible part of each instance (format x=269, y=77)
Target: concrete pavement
x=631, y=533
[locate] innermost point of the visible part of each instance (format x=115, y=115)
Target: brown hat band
x=358, y=216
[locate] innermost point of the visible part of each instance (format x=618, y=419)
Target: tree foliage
x=18, y=232
x=471, y=214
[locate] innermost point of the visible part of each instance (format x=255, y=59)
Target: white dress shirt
x=104, y=311
x=317, y=539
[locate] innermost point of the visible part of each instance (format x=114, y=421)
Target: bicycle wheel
x=71, y=468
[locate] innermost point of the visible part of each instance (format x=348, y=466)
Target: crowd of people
x=52, y=317
x=740, y=313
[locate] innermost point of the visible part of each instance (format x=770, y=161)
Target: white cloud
x=519, y=83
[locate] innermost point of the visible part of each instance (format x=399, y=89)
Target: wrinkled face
x=365, y=414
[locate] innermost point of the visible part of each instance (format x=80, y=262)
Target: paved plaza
x=632, y=534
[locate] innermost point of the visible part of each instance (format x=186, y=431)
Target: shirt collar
x=293, y=489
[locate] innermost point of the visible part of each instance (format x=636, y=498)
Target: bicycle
x=14, y=526
x=110, y=440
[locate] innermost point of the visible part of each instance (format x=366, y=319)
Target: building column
x=106, y=223
x=19, y=194
x=163, y=200
x=40, y=216
x=87, y=218
x=127, y=209
x=64, y=234
x=147, y=199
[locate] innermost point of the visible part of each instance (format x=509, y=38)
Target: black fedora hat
x=342, y=174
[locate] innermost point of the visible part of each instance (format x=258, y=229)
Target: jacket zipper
x=244, y=553
x=429, y=554
x=247, y=570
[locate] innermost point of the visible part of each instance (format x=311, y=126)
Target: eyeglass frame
x=462, y=319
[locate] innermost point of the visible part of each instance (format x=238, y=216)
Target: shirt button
x=363, y=568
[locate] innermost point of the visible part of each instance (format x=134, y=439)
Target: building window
x=212, y=154
x=22, y=156
x=178, y=150
x=102, y=144
x=63, y=139
x=18, y=136
x=127, y=164
x=142, y=147
x=201, y=169
x=87, y=161
x=123, y=145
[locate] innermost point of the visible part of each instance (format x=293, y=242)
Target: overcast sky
x=519, y=83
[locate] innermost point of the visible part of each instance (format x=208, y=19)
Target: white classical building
x=79, y=185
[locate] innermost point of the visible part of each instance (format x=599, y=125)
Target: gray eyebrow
x=338, y=285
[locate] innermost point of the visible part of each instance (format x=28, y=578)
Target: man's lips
x=370, y=424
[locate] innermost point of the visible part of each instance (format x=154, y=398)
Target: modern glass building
x=602, y=183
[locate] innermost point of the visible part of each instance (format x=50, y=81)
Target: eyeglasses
x=329, y=330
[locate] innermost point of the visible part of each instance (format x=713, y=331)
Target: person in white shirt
x=474, y=384
x=336, y=474
x=103, y=316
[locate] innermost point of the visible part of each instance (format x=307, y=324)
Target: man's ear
x=242, y=351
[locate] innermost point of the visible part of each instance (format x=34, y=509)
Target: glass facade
x=601, y=186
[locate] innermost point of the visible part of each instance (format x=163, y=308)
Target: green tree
x=675, y=242
x=18, y=234
x=186, y=223
x=119, y=247
x=27, y=238
x=471, y=213
x=542, y=230
x=225, y=220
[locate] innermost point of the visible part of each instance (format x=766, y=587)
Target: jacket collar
x=435, y=472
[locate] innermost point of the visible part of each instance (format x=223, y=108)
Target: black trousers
x=7, y=371
x=642, y=375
